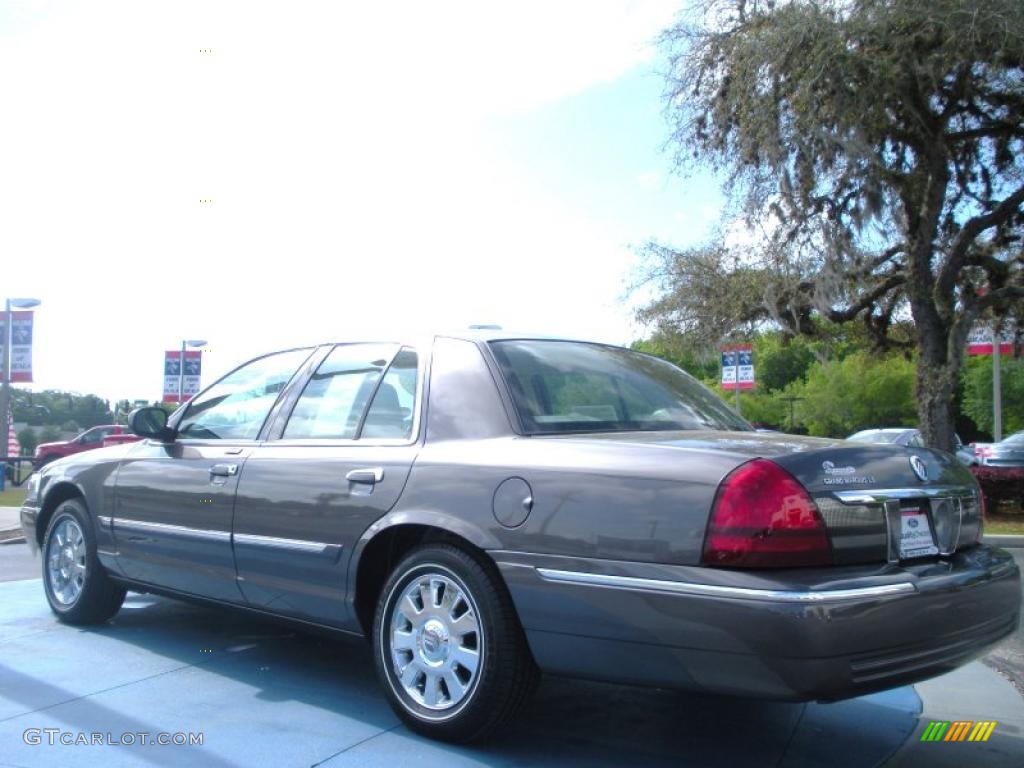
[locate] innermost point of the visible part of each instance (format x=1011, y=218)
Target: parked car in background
x=119, y=438
x=91, y=438
x=1006, y=453
x=484, y=506
x=910, y=437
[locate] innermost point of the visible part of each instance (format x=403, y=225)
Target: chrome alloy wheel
x=66, y=564
x=436, y=645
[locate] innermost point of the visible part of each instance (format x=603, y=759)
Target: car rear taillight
x=764, y=518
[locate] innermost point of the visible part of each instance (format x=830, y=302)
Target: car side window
x=92, y=436
x=332, y=404
x=390, y=413
x=237, y=405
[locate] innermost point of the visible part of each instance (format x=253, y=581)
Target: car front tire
x=448, y=646
x=77, y=586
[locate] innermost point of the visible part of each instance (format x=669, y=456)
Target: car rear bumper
x=795, y=635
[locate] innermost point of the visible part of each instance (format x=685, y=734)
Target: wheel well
x=381, y=554
x=57, y=496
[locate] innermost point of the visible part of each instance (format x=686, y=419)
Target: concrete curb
x=1003, y=540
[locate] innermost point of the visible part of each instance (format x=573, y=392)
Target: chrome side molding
x=295, y=545
x=144, y=527
x=662, y=586
x=299, y=545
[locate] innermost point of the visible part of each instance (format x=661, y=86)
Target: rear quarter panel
x=641, y=503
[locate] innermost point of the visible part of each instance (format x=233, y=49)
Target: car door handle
x=223, y=470
x=367, y=476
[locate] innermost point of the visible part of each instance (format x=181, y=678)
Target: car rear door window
x=332, y=404
x=236, y=406
x=390, y=414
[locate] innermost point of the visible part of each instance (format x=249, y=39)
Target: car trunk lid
x=879, y=502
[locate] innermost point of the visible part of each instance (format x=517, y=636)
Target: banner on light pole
x=980, y=341
x=21, y=344
x=172, y=370
x=738, y=366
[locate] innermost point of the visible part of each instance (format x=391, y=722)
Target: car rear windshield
x=566, y=386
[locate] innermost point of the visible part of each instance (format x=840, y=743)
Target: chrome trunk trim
x=661, y=586
x=883, y=495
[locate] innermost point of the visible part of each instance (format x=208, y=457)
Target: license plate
x=916, y=538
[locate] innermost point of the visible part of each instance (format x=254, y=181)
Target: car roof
x=474, y=334
x=884, y=431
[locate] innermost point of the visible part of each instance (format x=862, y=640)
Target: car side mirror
x=150, y=422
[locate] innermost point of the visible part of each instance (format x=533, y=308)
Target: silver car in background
x=1008, y=453
x=912, y=438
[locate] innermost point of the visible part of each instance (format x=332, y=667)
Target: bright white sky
x=371, y=167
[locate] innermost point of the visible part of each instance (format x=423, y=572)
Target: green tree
x=977, y=399
x=49, y=434
x=861, y=391
x=761, y=407
x=57, y=407
x=878, y=145
x=697, y=360
x=780, y=360
x=28, y=441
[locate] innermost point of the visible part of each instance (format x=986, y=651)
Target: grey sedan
x=483, y=507
x=1005, y=453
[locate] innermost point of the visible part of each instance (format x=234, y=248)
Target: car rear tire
x=77, y=586
x=448, y=646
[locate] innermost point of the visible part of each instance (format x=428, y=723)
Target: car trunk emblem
x=920, y=468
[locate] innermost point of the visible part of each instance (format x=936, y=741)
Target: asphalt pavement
x=260, y=692
x=1008, y=658
x=17, y=562
x=10, y=523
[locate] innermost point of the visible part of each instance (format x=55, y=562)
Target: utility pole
x=5, y=383
x=997, y=387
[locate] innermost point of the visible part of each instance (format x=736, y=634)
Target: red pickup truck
x=96, y=437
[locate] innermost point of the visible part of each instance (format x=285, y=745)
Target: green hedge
x=1000, y=485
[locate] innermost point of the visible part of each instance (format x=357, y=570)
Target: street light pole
x=181, y=373
x=181, y=365
x=5, y=383
x=997, y=387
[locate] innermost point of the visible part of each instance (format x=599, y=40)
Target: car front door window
x=236, y=406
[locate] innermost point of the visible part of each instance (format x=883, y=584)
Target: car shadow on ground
x=221, y=669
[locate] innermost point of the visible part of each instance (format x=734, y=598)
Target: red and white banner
x=190, y=383
x=979, y=342
x=738, y=366
x=21, y=344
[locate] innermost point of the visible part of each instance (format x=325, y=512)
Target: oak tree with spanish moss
x=878, y=147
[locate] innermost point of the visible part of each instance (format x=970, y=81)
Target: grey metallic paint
x=617, y=515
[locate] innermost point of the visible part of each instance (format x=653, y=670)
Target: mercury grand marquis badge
x=484, y=507
x=920, y=468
